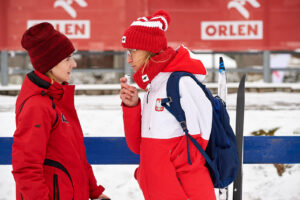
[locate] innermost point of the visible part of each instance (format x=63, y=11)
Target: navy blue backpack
x=221, y=153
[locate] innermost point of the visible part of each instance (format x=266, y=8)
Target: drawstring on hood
x=54, y=90
x=36, y=83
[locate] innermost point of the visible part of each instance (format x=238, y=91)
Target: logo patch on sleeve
x=124, y=39
x=145, y=78
x=158, y=106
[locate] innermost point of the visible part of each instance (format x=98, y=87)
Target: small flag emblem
x=158, y=106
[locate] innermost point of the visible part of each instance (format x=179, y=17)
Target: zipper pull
x=148, y=91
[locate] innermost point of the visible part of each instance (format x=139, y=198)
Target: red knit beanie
x=148, y=33
x=46, y=46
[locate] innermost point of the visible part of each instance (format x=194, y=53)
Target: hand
x=128, y=94
x=103, y=197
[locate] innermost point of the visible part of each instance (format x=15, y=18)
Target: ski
x=240, y=106
x=222, y=93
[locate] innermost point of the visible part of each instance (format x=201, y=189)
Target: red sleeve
x=94, y=189
x=29, y=151
x=132, y=126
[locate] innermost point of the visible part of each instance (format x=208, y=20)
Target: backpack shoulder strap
x=173, y=95
x=173, y=98
x=174, y=107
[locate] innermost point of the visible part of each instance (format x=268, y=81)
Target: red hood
x=28, y=90
x=184, y=62
x=169, y=61
x=36, y=83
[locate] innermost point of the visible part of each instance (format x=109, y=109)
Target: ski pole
x=222, y=93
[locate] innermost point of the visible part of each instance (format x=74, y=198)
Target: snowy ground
x=102, y=116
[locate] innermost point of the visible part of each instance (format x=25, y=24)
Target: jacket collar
x=156, y=64
x=54, y=90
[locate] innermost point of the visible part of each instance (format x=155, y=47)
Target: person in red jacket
x=150, y=130
x=48, y=153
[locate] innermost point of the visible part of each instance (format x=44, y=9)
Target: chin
x=68, y=79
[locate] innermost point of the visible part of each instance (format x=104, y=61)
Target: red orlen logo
x=158, y=106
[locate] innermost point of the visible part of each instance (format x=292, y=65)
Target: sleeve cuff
x=97, y=192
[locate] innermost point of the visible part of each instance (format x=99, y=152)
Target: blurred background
x=257, y=37
x=260, y=38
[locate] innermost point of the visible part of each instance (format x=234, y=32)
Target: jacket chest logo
x=145, y=78
x=158, y=106
x=64, y=119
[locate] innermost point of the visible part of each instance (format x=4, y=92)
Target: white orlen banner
x=73, y=29
x=232, y=30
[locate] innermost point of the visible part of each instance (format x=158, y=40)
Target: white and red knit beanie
x=148, y=33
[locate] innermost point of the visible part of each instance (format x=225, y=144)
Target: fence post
x=266, y=69
x=4, y=68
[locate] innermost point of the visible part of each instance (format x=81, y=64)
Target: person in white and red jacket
x=150, y=130
x=48, y=153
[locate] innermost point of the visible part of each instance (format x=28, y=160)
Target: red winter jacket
x=48, y=153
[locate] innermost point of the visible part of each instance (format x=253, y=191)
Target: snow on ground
x=102, y=116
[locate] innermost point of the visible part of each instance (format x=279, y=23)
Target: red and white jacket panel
x=158, y=123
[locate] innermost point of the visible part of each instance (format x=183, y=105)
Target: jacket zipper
x=148, y=92
x=55, y=187
x=147, y=101
x=58, y=165
x=56, y=120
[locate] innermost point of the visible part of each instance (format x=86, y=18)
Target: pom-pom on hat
x=46, y=46
x=148, y=33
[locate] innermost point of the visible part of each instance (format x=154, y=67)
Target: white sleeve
x=197, y=107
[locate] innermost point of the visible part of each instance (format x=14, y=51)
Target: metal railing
x=114, y=150
x=265, y=70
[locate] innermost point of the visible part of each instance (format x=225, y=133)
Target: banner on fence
x=223, y=25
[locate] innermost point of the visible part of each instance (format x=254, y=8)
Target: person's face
x=62, y=71
x=136, y=58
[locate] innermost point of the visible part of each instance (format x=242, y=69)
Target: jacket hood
x=36, y=83
x=186, y=61
x=169, y=61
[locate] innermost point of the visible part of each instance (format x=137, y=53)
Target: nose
x=74, y=64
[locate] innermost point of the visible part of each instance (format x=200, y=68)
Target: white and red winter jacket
x=155, y=134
